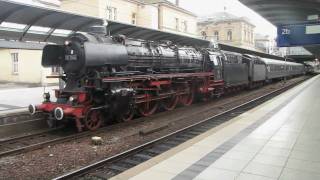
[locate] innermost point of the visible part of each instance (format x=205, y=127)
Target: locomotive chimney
x=177, y=3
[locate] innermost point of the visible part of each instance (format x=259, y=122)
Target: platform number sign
x=285, y=31
x=298, y=34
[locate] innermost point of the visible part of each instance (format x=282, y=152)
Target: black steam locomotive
x=117, y=77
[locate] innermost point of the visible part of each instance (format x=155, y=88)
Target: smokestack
x=177, y=3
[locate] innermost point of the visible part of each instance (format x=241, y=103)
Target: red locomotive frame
x=153, y=90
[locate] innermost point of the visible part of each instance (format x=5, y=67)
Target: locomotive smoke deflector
x=52, y=55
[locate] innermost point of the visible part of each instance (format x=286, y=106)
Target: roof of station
x=31, y=23
x=22, y=23
x=280, y=12
x=284, y=11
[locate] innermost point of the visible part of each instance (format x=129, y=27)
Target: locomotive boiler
x=115, y=77
x=111, y=78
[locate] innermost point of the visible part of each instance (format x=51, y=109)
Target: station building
x=228, y=29
x=23, y=65
x=156, y=14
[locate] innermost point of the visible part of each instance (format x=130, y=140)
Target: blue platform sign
x=298, y=34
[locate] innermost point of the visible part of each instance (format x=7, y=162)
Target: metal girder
x=150, y=34
x=163, y=37
x=285, y=18
x=138, y=34
x=288, y=3
x=226, y=47
x=116, y=28
x=126, y=31
x=9, y=13
x=87, y=24
x=20, y=45
x=32, y=22
x=56, y=26
x=283, y=13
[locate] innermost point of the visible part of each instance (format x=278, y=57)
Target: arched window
x=216, y=35
x=229, y=35
x=204, y=34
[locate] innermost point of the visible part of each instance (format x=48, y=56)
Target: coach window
x=229, y=35
x=184, y=25
x=177, y=24
x=134, y=18
x=216, y=35
x=15, y=63
x=55, y=70
x=111, y=13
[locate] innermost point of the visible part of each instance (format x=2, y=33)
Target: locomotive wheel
x=187, y=99
x=205, y=97
x=127, y=116
x=93, y=120
x=148, y=108
x=170, y=103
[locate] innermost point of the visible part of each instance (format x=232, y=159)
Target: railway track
x=118, y=163
x=25, y=143
x=17, y=117
x=33, y=141
x=13, y=125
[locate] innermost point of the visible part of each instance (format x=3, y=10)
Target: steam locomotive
x=117, y=77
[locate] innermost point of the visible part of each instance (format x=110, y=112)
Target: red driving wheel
x=93, y=119
x=187, y=99
x=170, y=103
x=148, y=107
x=128, y=115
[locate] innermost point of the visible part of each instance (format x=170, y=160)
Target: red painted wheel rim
x=170, y=103
x=187, y=99
x=148, y=108
x=93, y=120
x=128, y=116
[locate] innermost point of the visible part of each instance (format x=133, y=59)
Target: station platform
x=16, y=99
x=279, y=139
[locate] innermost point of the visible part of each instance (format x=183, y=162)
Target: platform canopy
x=22, y=23
x=284, y=12
x=31, y=23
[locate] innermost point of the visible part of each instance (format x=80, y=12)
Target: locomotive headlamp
x=67, y=43
x=58, y=113
x=32, y=109
x=73, y=98
x=46, y=97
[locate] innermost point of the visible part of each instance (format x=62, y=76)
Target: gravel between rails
x=61, y=158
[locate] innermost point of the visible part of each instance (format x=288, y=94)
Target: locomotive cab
x=216, y=61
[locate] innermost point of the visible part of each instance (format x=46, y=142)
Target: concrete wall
x=147, y=15
x=82, y=7
x=29, y=67
x=125, y=9
x=168, y=17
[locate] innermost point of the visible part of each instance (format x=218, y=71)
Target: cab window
x=214, y=60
